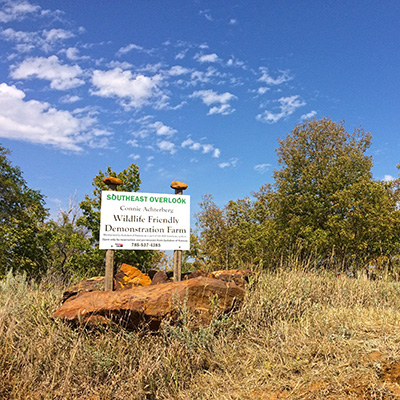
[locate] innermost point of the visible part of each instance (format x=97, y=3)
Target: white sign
x=144, y=221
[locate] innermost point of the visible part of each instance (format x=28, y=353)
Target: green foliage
x=93, y=258
x=24, y=234
x=71, y=251
x=326, y=201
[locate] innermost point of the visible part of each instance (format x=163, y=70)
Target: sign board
x=144, y=221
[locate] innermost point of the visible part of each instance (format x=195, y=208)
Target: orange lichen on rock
x=129, y=277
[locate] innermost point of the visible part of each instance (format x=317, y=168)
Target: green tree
x=25, y=239
x=326, y=202
x=235, y=236
x=72, y=254
x=90, y=219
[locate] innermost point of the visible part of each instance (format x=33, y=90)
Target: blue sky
x=196, y=91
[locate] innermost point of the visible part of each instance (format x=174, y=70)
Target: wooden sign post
x=179, y=188
x=112, y=184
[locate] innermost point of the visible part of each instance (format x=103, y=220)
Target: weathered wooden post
x=112, y=184
x=179, y=188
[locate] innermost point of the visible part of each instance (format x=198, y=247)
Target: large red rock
x=149, y=305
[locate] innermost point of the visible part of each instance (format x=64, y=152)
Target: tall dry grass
x=299, y=335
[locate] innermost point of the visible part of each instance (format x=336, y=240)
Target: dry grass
x=299, y=335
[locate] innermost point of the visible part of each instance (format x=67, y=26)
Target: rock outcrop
x=239, y=276
x=150, y=305
x=126, y=277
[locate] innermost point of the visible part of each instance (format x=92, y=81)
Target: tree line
x=324, y=210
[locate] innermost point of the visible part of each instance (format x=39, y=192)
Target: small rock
x=159, y=277
x=178, y=185
x=110, y=180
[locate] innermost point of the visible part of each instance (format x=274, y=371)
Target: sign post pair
x=144, y=221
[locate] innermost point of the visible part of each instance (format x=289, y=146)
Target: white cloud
x=234, y=62
x=44, y=40
x=132, y=46
x=69, y=99
x=309, y=115
x=222, y=100
x=262, y=90
x=37, y=122
x=206, y=14
x=17, y=10
x=61, y=77
x=388, y=178
x=269, y=80
x=128, y=48
x=223, y=109
x=147, y=128
x=210, y=97
x=135, y=90
x=54, y=35
x=181, y=55
x=118, y=64
x=133, y=143
x=288, y=105
x=261, y=168
x=165, y=145
x=161, y=129
x=204, y=148
x=178, y=70
x=134, y=156
x=207, y=58
x=229, y=164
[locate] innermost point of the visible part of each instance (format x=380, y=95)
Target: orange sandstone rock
x=112, y=181
x=178, y=185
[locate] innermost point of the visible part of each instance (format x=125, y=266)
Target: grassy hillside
x=299, y=335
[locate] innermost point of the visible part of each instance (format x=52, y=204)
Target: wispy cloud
x=207, y=58
x=148, y=128
x=206, y=14
x=229, y=164
x=17, y=10
x=309, y=115
x=262, y=168
x=69, y=99
x=167, y=146
x=221, y=100
x=45, y=40
x=128, y=48
x=284, y=76
x=288, y=105
x=190, y=144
